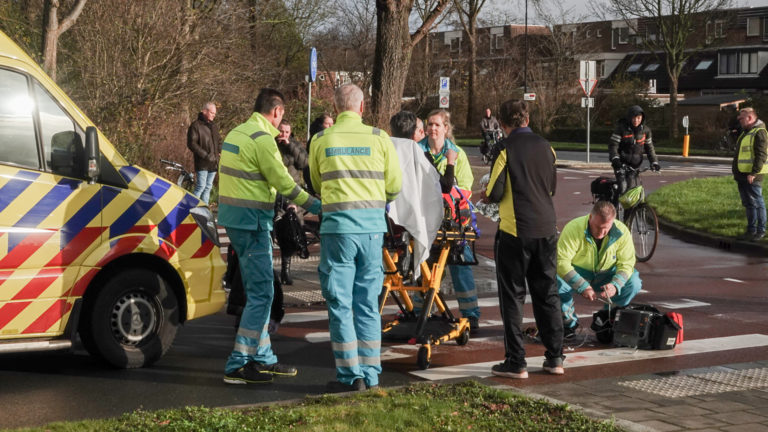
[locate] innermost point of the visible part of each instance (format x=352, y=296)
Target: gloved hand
x=655, y=167
x=315, y=207
x=616, y=163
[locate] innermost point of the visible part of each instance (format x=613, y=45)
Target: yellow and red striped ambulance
x=90, y=244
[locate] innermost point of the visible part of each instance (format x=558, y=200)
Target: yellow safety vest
x=746, y=155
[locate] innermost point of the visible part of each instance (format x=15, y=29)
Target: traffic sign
x=445, y=99
x=529, y=96
x=685, y=121
x=587, y=102
x=445, y=84
x=312, y=64
x=588, y=85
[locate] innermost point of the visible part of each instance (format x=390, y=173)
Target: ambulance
x=91, y=246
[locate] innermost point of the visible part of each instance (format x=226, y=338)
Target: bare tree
x=394, y=45
x=53, y=29
x=468, y=11
x=674, y=22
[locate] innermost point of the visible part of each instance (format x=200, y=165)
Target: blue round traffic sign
x=312, y=64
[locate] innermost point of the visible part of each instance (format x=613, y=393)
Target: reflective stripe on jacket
x=462, y=170
x=746, y=156
x=250, y=173
x=356, y=171
x=579, y=261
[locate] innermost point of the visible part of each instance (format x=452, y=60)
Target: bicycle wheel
x=644, y=226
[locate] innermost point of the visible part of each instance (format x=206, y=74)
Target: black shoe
x=507, y=370
x=758, y=236
x=474, y=325
x=570, y=332
x=339, y=387
x=276, y=369
x=248, y=374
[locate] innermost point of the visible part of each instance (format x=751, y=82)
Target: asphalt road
x=720, y=293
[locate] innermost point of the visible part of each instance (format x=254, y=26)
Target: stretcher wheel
x=422, y=358
x=463, y=338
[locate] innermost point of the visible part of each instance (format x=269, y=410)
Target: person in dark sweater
x=630, y=140
x=523, y=181
x=204, y=141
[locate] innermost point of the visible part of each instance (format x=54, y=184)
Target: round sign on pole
x=312, y=64
x=444, y=100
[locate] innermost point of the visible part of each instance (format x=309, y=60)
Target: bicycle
x=489, y=146
x=186, y=179
x=633, y=210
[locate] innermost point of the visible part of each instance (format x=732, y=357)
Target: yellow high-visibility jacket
x=250, y=172
x=356, y=171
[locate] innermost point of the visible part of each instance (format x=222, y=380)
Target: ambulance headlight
x=205, y=221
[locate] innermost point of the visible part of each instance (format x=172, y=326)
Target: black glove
x=655, y=167
x=616, y=163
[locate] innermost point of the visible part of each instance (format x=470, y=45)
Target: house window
x=623, y=35
x=497, y=41
x=732, y=63
x=748, y=63
x=600, y=66
x=753, y=26
x=651, y=67
x=598, y=33
x=634, y=67
x=765, y=29
x=588, y=34
x=715, y=29
x=704, y=65
x=455, y=44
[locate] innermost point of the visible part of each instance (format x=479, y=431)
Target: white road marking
x=681, y=304
x=733, y=280
x=606, y=356
x=318, y=337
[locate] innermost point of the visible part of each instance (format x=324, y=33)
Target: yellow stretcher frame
x=394, y=286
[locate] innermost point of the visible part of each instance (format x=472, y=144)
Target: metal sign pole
x=311, y=79
x=588, y=105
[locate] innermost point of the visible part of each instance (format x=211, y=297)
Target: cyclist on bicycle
x=631, y=138
x=491, y=137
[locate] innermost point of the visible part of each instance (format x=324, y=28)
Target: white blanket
x=419, y=206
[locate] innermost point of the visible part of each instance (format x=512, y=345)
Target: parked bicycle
x=489, y=146
x=633, y=210
x=186, y=179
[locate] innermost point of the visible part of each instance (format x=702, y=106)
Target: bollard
x=686, y=141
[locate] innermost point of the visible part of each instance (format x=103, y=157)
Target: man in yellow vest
x=356, y=171
x=250, y=173
x=749, y=168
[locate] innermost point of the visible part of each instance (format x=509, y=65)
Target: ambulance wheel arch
x=131, y=313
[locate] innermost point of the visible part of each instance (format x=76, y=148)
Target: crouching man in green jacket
x=595, y=258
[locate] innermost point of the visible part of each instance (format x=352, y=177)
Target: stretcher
x=424, y=328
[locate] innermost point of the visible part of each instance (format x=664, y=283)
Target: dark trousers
x=532, y=261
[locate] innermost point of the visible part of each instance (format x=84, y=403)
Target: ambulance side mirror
x=92, y=154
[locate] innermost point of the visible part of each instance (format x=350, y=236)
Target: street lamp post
x=525, y=55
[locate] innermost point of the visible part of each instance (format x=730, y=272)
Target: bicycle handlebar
x=172, y=164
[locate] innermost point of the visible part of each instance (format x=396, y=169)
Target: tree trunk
x=673, y=131
x=392, y=59
x=471, y=108
x=186, y=35
x=53, y=29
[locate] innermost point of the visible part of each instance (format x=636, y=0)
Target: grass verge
x=709, y=205
x=464, y=406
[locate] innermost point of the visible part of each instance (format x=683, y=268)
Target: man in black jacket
x=523, y=181
x=204, y=141
x=631, y=138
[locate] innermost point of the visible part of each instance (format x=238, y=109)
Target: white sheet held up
x=419, y=206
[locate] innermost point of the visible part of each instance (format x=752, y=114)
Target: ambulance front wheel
x=132, y=321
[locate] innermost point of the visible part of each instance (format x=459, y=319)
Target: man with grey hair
x=204, y=141
x=749, y=168
x=355, y=169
